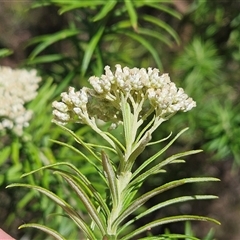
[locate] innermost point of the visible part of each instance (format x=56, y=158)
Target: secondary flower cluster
x=17, y=87
x=144, y=89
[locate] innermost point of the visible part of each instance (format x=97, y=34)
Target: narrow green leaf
x=91, y=210
x=45, y=229
x=161, y=140
x=170, y=236
x=90, y=49
x=146, y=44
x=45, y=59
x=71, y=5
x=151, y=159
x=165, y=8
x=82, y=178
x=111, y=178
x=65, y=206
x=158, y=166
x=4, y=52
x=168, y=220
x=145, y=197
x=163, y=25
x=106, y=9
x=165, y=204
x=48, y=40
x=132, y=14
x=155, y=34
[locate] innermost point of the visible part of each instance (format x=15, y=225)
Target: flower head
x=17, y=87
x=144, y=89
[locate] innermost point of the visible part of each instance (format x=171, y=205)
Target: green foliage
x=96, y=30
x=102, y=214
x=95, y=34
x=5, y=52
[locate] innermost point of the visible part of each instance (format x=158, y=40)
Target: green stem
x=122, y=182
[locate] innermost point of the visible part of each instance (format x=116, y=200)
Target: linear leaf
x=168, y=220
x=46, y=59
x=65, y=206
x=155, y=34
x=92, y=211
x=166, y=9
x=146, y=44
x=145, y=197
x=48, y=40
x=71, y=5
x=158, y=166
x=151, y=159
x=163, y=25
x=45, y=229
x=167, y=203
x=90, y=49
x=111, y=178
x=132, y=14
x=107, y=7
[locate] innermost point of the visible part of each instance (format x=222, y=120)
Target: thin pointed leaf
x=151, y=159
x=80, y=141
x=155, y=34
x=165, y=204
x=111, y=178
x=45, y=229
x=65, y=206
x=158, y=166
x=71, y=5
x=46, y=59
x=48, y=40
x=5, y=52
x=90, y=49
x=168, y=220
x=145, y=197
x=106, y=9
x=161, y=140
x=170, y=236
x=166, y=9
x=82, y=178
x=91, y=210
x=132, y=14
x=146, y=44
x=163, y=25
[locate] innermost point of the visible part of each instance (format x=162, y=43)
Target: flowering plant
x=126, y=99
x=17, y=87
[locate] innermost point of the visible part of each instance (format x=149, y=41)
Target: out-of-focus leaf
x=90, y=49
x=132, y=14
x=66, y=6
x=5, y=52
x=155, y=34
x=163, y=25
x=164, y=8
x=105, y=10
x=48, y=230
x=47, y=40
x=46, y=59
x=166, y=221
x=146, y=44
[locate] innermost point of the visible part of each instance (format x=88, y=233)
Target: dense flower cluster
x=144, y=89
x=17, y=87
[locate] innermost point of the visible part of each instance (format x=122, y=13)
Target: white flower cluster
x=17, y=87
x=145, y=87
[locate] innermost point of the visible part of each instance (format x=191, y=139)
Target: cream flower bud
x=144, y=89
x=17, y=87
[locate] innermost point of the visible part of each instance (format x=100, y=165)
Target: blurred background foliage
x=196, y=41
